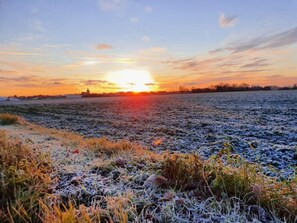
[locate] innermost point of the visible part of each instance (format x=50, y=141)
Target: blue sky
x=62, y=45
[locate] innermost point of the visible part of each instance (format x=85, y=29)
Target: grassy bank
x=24, y=181
x=223, y=184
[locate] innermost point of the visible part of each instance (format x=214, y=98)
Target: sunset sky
x=65, y=46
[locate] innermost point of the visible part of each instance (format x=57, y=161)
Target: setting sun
x=148, y=111
x=132, y=80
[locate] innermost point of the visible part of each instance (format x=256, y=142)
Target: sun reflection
x=132, y=80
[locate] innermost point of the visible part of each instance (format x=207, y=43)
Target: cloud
x=274, y=76
x=211, y=66
x=134, y=19
x=29, y=85
x=110, y=5
x=86, y=62
x=94, y=82
x=227, y=21
x=277, y=40
x=103, y=46
x=146, y=38
x=17, y=53
x=54, y=83
x=23, y=78
x=150, y=84
x=194, y=64
x=94, y=59
x=7, y=71
x=29, y=37
x=42, y=84
x=103, y=84
x=148, y=9
x=262, y=62
x=33, y=81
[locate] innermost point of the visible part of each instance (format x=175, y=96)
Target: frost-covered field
x=261, y=126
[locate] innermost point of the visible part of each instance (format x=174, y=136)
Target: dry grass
x=60, y=213
x=9, y=119
x=108, y=147
x=24, y=185
x=229, y=176
x=24, y=180
x=123, y=148
x=70, y=214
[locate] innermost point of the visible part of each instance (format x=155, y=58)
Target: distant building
x=86, y=93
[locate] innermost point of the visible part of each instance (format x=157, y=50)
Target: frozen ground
x=127, y=181
x=261, y=126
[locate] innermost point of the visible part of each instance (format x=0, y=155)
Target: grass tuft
x=227, y=176
x=24, y=180
x=71, y=214
x=9, y=119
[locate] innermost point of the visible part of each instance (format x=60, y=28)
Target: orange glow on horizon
x=132, y=80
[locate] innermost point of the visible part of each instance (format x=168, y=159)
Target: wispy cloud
x=109, y=5
x=227, y=21
x=83, y=63
x=18, y=53
x=29, y=37
x=28, y=78
x=274, y=76
x=103, y=46
x=194, y=64
x=93, y=82
x=33, y=81
x=277, y=40
x=150, y=84
x=220, y=65
x=7, y=72
x=257, y=62
x=101, y=84
x=44, y=84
